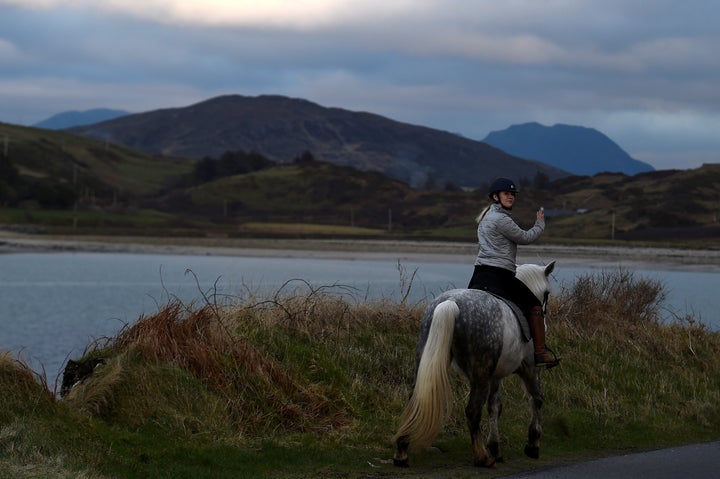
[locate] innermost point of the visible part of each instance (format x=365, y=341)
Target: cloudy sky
x=644, y=72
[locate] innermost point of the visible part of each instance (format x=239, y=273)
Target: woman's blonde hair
x=482, y=214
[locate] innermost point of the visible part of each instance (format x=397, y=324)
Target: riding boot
x=537, y=329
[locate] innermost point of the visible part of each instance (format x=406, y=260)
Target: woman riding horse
x=498, y=237
x=480, y=336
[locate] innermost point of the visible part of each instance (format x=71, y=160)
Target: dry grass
x=321, y=368
x=313, y=362
x=609, y=302
x=259, y=392
x=26, y=450
x=318, y=362
x=22, y=390
x=623, y=363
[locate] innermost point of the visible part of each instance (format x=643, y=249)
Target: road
x=696, y=461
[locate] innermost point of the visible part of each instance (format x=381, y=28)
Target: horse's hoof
x=494, y=450
x=401, y=462
x=532, y=452
x=487, y=462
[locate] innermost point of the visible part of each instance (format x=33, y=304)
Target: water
x=54, y=304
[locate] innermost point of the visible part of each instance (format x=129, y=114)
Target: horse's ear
x=549, y=268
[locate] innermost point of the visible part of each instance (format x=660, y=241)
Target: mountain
x=69, y=119
x=283, y=128
x=579, y=150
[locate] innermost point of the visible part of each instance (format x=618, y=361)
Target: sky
x=644, y=73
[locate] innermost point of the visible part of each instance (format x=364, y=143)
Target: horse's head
x=535, y=277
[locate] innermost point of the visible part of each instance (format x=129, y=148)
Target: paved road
x=697, y=461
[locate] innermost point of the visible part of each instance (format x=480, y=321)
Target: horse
x=479, y=335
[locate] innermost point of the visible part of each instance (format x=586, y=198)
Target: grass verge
x=311, y=383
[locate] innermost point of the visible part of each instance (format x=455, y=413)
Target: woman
x=498, y=237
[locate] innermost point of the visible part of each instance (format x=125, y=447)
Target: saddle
x=519, y=315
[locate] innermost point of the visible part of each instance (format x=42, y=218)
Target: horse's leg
x=531, y=377
x=473, y=412
x=402, y=444
x=401, y=455
x=494, y=411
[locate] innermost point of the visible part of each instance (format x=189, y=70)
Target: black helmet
x=501, y=184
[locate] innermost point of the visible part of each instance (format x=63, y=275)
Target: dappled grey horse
x=483, y=339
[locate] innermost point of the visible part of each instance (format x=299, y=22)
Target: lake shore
x=366, y=249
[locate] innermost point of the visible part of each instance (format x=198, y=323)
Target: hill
x=320, y=193
x=579, y=150
x=678, y=205
x=52, y=169
x=282, y=128
x=69, y=119
x=651, y=206
x=65, y=183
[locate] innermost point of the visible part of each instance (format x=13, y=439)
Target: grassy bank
x=310, y=383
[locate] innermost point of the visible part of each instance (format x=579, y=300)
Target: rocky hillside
x=283, y=128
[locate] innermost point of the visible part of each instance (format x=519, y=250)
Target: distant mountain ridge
x=282, y=128
x=69, y=119
x=579, y=150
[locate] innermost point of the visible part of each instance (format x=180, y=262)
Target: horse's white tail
x=431, y=399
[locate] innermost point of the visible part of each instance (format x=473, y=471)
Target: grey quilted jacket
x=499, y=235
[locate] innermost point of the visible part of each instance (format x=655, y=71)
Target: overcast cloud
x=645, y=73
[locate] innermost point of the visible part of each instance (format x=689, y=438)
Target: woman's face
x=507, y=199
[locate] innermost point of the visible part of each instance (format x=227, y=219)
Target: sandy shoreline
x=381, y=250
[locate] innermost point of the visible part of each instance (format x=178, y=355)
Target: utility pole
x=75, y=204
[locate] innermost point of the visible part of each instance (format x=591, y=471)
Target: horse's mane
x=534, y=277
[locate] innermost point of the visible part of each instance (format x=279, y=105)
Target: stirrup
x=543, y=361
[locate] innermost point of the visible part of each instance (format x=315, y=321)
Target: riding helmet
x=501, y=184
